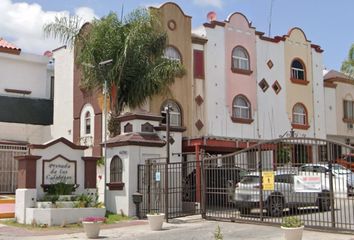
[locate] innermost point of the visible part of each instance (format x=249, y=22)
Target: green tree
x=136, y=46
x=348, y=65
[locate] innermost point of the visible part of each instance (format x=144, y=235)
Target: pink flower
x=93, y=219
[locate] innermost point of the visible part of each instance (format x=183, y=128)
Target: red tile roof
x=140, y=139
x=8, y=47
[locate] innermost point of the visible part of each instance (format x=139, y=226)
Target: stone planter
x=45, y=205
x=65, y=204
x=156, y=221
x=92, y=229
x=293, y=233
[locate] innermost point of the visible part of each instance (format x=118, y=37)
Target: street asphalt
x=188, y=228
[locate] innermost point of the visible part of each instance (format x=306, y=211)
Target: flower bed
x=60, y=216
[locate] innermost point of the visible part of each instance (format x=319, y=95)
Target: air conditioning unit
x=350, y=125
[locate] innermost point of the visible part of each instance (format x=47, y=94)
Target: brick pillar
x=26, y=177
x=90, y=171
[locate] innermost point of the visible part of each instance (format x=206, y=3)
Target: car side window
x=319, y=169
x=286, y=178
x=307, y=169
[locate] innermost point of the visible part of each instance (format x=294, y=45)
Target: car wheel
x=324, y=202
x=245, y=211
x=275, y=206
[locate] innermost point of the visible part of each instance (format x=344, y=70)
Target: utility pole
x=167, y=109
x=105, y=90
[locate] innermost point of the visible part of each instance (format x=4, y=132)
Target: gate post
x=260, y=182
x=331, y=190
x=197, y=173
x=203, y=188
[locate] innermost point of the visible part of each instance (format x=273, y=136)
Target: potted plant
x=155, y=220
x=293, y=228
x=92, y=226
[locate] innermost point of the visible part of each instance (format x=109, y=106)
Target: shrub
x=292, y=222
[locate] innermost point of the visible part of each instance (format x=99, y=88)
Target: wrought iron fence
x=182, y=193
x=299, y=177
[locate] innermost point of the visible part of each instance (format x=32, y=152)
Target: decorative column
x=26, y=192
x=26, y=177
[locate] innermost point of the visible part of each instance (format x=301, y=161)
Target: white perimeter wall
x=63, y=94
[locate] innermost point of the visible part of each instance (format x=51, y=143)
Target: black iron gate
x=8, y=166
x=182, y=190
x=299, y=177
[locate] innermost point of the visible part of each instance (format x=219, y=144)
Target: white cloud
x=22, y=25
x=214, y=3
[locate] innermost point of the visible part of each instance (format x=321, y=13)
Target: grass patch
x=114, y=218
x=110, y=219
x=34, y=226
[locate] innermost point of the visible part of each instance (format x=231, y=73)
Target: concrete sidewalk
x=192, y=228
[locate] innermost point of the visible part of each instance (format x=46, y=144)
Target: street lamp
x=167, y=110
x=102, y=64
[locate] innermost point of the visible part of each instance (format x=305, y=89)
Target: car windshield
x=339, y=169
x=349, y=158
x=250, y=180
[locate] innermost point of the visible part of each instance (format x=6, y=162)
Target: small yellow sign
x=268, y=180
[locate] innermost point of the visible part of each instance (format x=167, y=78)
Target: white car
x=343, y=178
x=247, y=195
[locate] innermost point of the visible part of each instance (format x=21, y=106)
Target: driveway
x=191, y=228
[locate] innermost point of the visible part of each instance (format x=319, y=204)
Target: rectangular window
x=52, y=87
x=198, y=56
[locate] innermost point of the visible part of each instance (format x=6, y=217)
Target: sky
x=325, y=22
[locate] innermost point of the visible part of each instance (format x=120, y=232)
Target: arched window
x=298, y=70
x=299, y=114
x=128, y=128
x=241, y=107
x=172, y=53
x=175, y=113
x=116, y=170
x=87, y=123
x=240, y=58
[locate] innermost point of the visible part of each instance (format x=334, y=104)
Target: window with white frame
x=240, y=58
x=299, y=114
x=175, y=113
x=116, y=170
x=297, y=70
x=241, y=107
x=87, y=123
x=172, y=53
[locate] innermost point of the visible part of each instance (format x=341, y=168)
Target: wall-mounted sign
x=307, y=184
x=59, y=169
x=158, y=176
x=268, y=180
x=123, y=152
